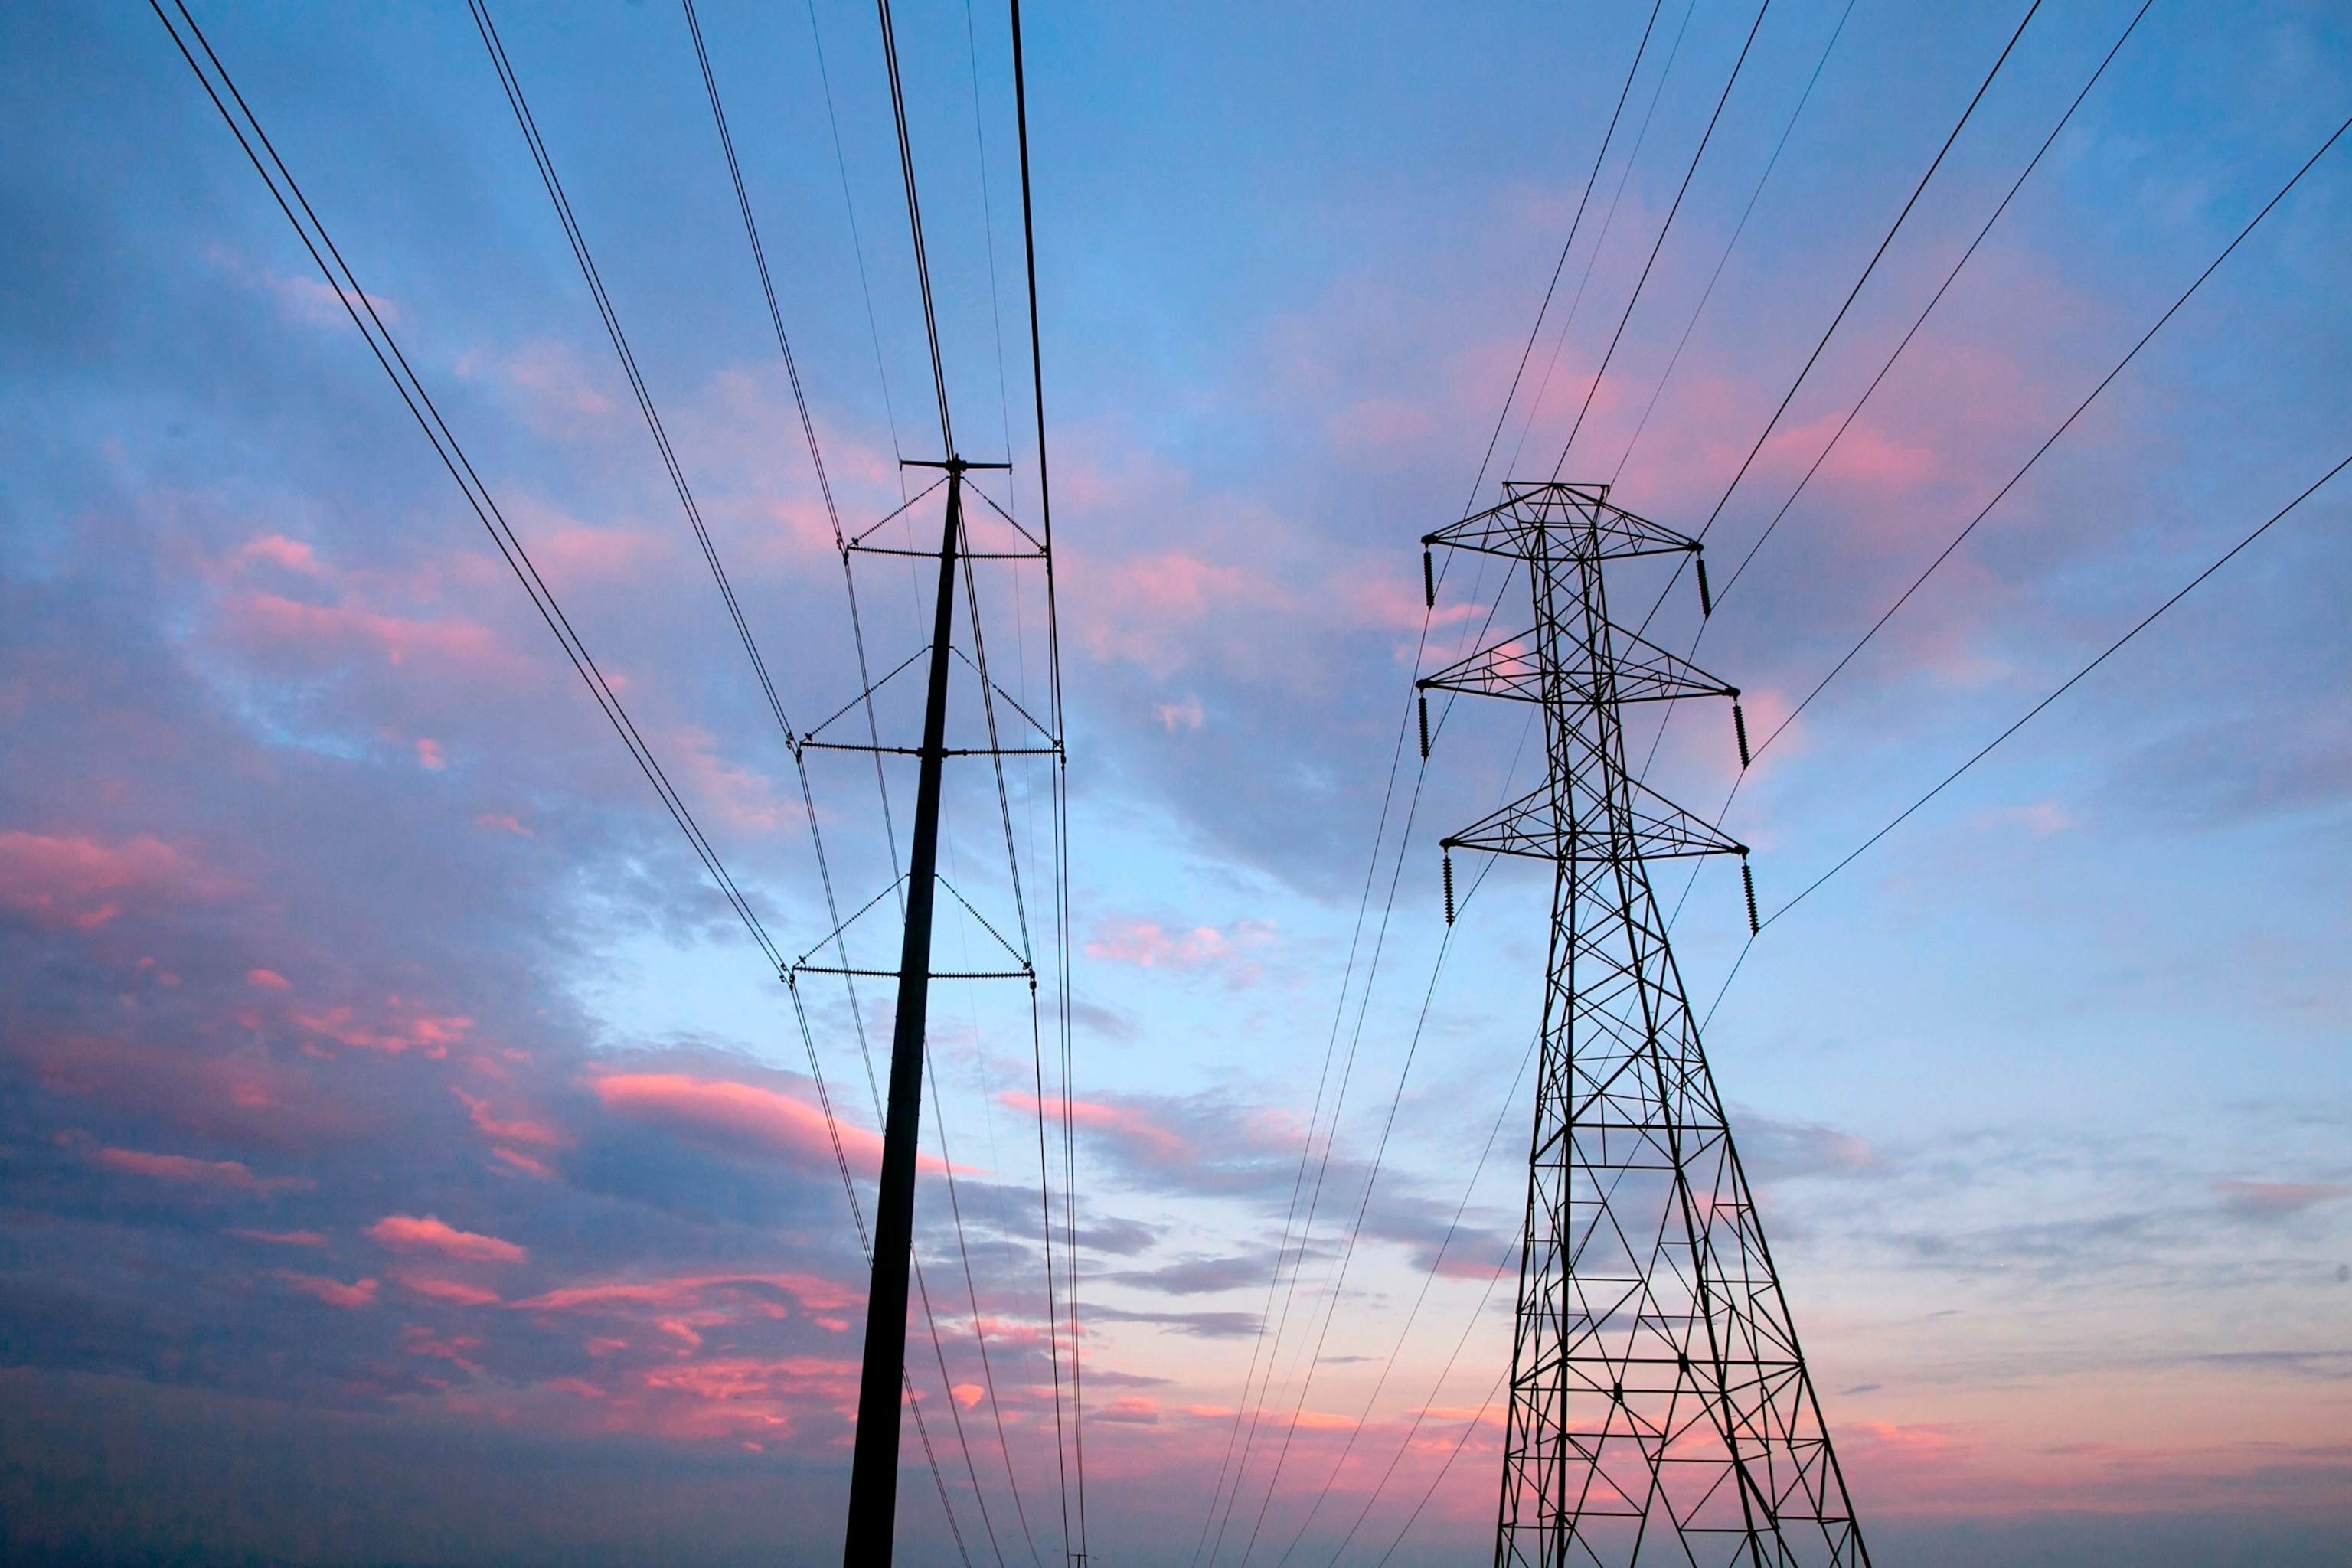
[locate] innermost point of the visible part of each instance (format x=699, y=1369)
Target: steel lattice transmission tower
x=1660, y=1409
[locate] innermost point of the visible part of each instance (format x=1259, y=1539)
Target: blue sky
x=408, y=1157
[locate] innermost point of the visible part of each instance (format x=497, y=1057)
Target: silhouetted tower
x=1660, y=1409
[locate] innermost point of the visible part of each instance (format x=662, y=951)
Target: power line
x=1877, y=255
x=857, y=244
x=816, y=458
x=1732, y=244
x=1503, y=415
x=1936, y=299
x=1721, y=593
x=573, y=233
x=361, y=308
x=1059, y=775
x=2064, y=426
x=1664, y=229
x=1601, y=241
x=545, y=161
x=767, y=284
x=1438, y=1259
x=914, y=222
x=2063, y=686
x=1347, y=1251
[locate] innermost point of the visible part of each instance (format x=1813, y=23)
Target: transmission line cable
x=1601, y=241
x=1256, y=1411
x=1732, y=244
x=1058, y=775
x=988, y=230
x=1971, y=527
x=2063, y=686
x=857, y=244
x=1536, y=332
x=1292, y=1224
x=759, y=259
x=573, y=233
x=1936, y=299
x=1306, y=1374
x=914, y=222
x=545, y=161
x=1420, y=1026
x=1663, y=230
x=816, y=458
x=2065, y=425
x=1442, y=1470
x=1877, y=255
x=1336, y=1289
x=361, y=308
x=1658, y=737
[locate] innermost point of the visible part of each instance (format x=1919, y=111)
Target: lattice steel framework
x=1660, y=1409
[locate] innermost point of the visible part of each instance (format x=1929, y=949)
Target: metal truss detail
x=1660, y=1409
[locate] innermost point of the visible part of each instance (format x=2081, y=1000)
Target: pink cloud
x=2274, y=1200
x=736, y=1114
x=441, y=1290
x=1122, y=1122
x=432, y=1034
x=578, y=1385
x=232, y=1174
x=280, y=551
x=408, y=1233
x=1185, y=715
x=315, y=631
x=283, y=1238
x=429, y=754
x=332, y=1292
x=524, y=1164
x=1133, y=1408
x=666, y=1296
x=513, y=1130
x=748, y=797
x=1138, y=607
x=580, y=552
x=316, y=302
x=267, y=980
x=555, y=382
x=1149, y=945
x=245, y=1094
x=80, y=883
x=503, y=823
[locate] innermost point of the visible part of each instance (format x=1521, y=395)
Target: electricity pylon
x=1660, y=1409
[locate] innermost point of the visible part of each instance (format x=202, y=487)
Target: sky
x=408, y=1156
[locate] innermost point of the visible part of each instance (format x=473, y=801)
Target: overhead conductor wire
x=361, y=308
x=1502, y=417
x=938, y=379
x=1535, y=332
x=1356, y=1229
x=1347, y=1069
x=1073, y=1483
x=544, y=162
x=1732, y=244
x=2039, y=452
x=2027, y=717
x=1855, y=292
x=1663, y=230
x=816, y=458
x=1658, y=738
x=2197, y=283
